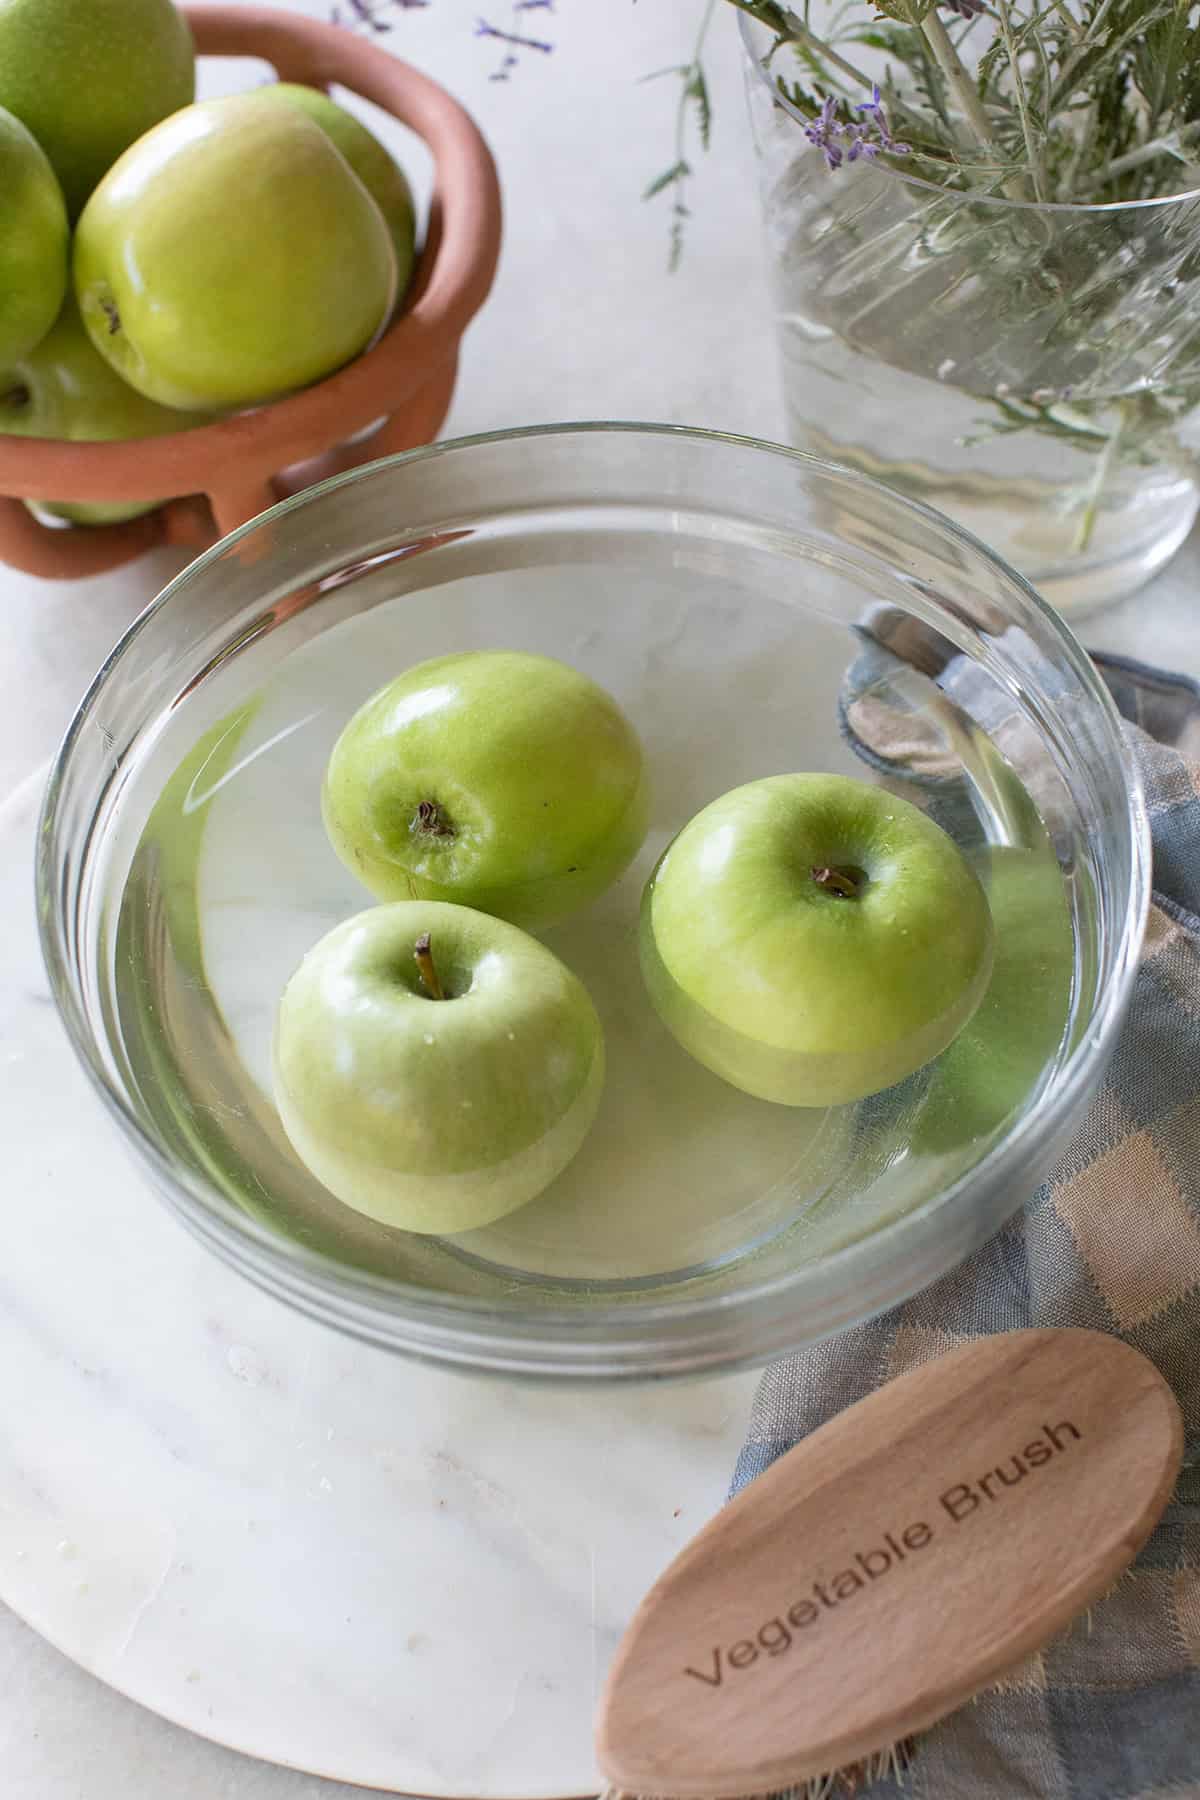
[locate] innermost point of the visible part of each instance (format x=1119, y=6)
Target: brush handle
x=891, y=1565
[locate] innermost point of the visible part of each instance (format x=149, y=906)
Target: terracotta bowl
x=402, y=386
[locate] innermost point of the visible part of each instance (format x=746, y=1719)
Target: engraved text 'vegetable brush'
x=890, y=1566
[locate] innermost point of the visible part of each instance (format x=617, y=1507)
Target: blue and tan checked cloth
x=1111, y=1710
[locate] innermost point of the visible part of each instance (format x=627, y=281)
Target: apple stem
x=431, y=821
x=17, y=395
x=427, y=969
x=844, y=884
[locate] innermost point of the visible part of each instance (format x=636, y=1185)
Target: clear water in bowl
x=682, y=1178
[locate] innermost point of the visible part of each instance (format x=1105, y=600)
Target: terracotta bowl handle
x=244, y=463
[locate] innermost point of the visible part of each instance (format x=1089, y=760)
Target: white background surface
x=585, y=323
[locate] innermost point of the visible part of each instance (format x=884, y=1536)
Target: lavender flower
x=484, y=30
x=362, y=12
x=365, y=16
x=845, y=140
x=369, y=15
x=514, y=41
x=878, y=118
x=966, y=9
x=860, y=144
x=823, y=131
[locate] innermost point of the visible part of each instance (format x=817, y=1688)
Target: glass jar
x=1033, y=371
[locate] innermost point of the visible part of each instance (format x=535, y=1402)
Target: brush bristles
x=856, y=1778
x=841, y=1784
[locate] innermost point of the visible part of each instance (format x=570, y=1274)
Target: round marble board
x=284, y=1540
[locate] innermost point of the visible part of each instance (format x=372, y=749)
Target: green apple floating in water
x=230, y=256
x=494, y=778
x=435, y=1067
x=90, y=76
x=374, y=165
x=813, y=939
x=62, y=389
x=34, y=240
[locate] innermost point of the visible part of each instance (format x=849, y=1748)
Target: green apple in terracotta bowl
x=64, y=389
x=814, y=939
x=34, y=240
x=371, y=161
x=435, y=1067
x=231, y=256
x=88, y=77
x=495, y=779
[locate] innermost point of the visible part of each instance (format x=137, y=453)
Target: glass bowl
x=755, y=611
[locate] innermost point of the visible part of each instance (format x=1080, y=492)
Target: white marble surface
x=174, y=1510
x=292, y=1543
x=295, y=1543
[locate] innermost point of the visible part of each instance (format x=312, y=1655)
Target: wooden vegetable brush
x=894, y=1563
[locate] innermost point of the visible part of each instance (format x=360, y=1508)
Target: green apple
x=435, y=1067
x=494, y=778
x=374, y=165
x=89, y=76
x=34, y=240
x=230, y=256
x=1000, y=1055
x=814, y=939
x=63, y=389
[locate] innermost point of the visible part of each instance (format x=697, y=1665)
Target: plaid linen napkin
x=1111, y=1709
